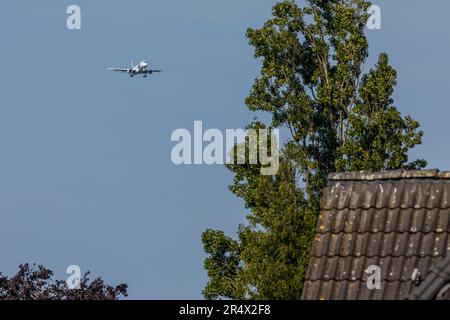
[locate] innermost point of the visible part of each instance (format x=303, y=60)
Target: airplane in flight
x=140, y=68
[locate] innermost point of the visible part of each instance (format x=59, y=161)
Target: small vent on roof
x=416, y=277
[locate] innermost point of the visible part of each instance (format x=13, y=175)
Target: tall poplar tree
x=339, y=119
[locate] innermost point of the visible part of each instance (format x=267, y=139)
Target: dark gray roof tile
x=354, y=268
x=409, y=194
x=387, y=220
x=381, y=244
x=354, y=290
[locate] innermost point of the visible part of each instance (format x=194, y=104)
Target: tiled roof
x=397, y=220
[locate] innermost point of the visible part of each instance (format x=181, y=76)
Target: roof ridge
x=378, y=207
x=371, y=232
x=419, y=256
x=389, y=175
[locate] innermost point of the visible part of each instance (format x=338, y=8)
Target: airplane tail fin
x=131, y=64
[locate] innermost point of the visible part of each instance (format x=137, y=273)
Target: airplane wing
x=154, y=71
x=118, y=69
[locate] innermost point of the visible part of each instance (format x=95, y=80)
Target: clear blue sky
x=85, y=170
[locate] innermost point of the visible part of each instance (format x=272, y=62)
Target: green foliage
x=378, y=137
x=339, y=119
x=222, y=265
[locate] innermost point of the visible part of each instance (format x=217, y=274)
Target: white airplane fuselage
x=140, y=68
